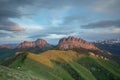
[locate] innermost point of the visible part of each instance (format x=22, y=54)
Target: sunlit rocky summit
x=64, y=44
x=72, y=43
x=39, y=43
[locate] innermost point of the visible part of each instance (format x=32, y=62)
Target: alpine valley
x=71, y=59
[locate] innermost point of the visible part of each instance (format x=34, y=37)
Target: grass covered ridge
x=46, y=58
x=60, y=65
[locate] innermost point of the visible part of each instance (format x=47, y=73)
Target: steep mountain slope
x=74, y=62
x=66, y=65
x=70, y=61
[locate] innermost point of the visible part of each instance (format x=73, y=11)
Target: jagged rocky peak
x=40, y=43
x=73, y=42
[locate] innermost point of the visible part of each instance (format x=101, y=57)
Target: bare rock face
x=40, y=43
x=72, y=42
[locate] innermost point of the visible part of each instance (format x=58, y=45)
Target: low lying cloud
x=8, y=9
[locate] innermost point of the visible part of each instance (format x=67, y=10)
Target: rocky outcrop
x=72, y=42
x=97, y=56
x=39, y=43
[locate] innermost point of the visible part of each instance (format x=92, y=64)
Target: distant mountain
x=72, y=43
x=10, y=45
x=39, y=43
x=110, y=41
x=112, y=45
x=5, y=46
x=112, y=48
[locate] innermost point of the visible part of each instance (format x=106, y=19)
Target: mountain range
x=112, y=45
x=109, y=41
x=71, y=59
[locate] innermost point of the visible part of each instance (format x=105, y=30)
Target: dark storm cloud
x=10, y=26
x=102, y=24
x=17, y=9
x=9, y=9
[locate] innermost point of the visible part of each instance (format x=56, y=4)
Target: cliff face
x=72, y=42
x=40, y=43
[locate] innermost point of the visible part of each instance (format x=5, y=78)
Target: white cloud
x=15, y=39
x=56, y=22
x=34, y=28
x=54, y=36
x=115, y=30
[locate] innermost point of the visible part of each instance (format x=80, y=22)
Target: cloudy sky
x=27, y=20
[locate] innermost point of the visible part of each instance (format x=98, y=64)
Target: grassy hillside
x=101, y=69
x=13, y=74
x=60, y=65
x=53, y=55
x=6, y=53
